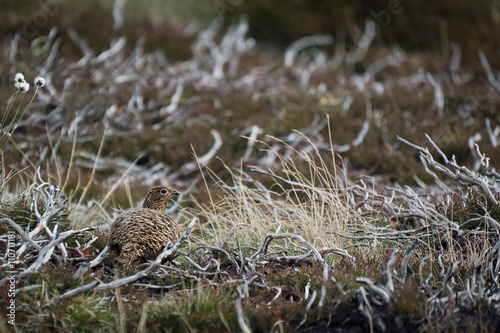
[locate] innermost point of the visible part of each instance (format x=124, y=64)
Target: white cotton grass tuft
x=39, y=81
x=24, y=87
x=19, y=78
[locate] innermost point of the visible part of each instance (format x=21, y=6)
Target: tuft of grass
x=18, y=209
x=202, y=309
x=304, y=198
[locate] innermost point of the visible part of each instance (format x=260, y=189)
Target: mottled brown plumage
x=143, y=233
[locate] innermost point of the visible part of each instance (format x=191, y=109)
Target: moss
x=408, y=302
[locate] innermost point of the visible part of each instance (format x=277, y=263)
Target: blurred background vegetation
x=415, y=26
x=427, y=32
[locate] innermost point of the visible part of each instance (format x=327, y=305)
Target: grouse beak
x=176, y=192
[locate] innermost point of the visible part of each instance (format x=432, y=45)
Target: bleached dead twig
x=174, y=102
x=439, y=100
x=303, y=43
x=406, y=259
x=201, y=161
x=489, y=73
x=377, y=289
x=270, y=237
x=251, y=141
x=485, y=162
x=492, y=134
x=54, y=205
x=21, y=232
x=45, y=253
x=86, y=266
x=118, y=14
x=365, y=307
x=308, y=307
x=363, y=43
x=290, y=182
x=239, y=312
x=115, y=48
x=452, y=170
x=388, y=271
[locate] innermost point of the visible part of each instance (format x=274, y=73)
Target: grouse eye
x=164, y=191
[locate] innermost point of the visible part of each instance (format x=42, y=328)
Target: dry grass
x=306, y=202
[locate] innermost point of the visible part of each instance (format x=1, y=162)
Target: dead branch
x=270, y=237
x=54, y=204
x=86, y=266
x=452, y=170
x=46, y=251
x=21, y=233
x=239, y=312
x=201, y=161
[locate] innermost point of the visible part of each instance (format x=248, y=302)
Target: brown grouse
x=143, y=233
